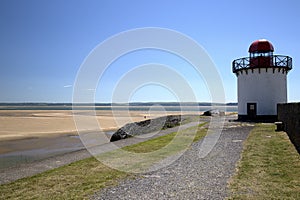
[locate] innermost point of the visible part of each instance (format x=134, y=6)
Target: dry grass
x=269, y=168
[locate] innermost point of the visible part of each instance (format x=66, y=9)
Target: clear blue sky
x=43, y=43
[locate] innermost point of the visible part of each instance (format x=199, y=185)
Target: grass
x=269, y=167
x=160, y=142
x=139, y=157
x=81, y=179
x=73, y=181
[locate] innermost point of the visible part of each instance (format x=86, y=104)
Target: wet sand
x=29, y=135
x=20, y=124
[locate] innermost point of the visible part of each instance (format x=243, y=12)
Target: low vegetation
x=140, y=157
x=73, y=181
x=82, y=179
x=269, y=168
x=160, y=142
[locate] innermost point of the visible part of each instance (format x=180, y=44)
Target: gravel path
x=189, y=177
x=29, y=169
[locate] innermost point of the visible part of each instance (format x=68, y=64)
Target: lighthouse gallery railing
x=276, y=61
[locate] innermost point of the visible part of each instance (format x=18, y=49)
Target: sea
x=155, y=107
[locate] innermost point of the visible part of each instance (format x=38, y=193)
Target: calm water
x=131, y=108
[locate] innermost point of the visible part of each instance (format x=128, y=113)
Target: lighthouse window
x=260, y=54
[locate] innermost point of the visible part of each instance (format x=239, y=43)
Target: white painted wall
x=267, y=89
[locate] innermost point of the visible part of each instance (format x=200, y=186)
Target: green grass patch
x=269, y=167
x=162, y=141
x=139, y=157
x=81, y=179
x=74, y=181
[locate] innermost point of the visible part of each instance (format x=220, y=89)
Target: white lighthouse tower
x=262, y=82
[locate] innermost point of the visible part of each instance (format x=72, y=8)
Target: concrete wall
x=289, y=114
x=265, y=86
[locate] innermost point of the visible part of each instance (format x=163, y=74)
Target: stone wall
x=289, y=114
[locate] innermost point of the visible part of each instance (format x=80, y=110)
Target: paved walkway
x=189, y=177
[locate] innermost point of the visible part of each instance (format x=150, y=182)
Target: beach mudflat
x=16, y=124
x=30, y=135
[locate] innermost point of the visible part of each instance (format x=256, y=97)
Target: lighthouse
x=261, y=81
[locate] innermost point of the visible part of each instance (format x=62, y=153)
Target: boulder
x=146, y=126
x=214, y=113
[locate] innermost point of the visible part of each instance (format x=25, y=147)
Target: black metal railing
x=275, y=61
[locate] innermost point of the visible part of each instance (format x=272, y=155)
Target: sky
x=45, y=43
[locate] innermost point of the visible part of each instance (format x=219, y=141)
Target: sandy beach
x=20, y=124
x=27, y=135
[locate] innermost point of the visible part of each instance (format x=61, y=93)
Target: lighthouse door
x=251, y=110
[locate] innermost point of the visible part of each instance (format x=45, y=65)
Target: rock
x=146, y=126
x=172, y=121
x=118, y=135
x=214, y=113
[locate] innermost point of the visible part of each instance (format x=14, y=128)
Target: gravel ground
x=189, y=177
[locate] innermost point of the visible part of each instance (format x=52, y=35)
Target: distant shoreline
x=120, y=104
x=168, y=106
x=196, y=108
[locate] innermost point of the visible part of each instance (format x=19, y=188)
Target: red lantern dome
x=261, y=45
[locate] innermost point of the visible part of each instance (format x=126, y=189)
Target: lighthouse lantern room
x=262, y=82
